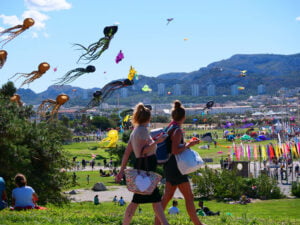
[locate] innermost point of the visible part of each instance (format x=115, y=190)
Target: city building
x=177, y=89
x=261, y=89
x=195, y=90
x=234, y=90
x=211, y=90
x=161, y=89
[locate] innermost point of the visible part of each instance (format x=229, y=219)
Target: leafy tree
x=102, y=122
x=34, y=149
x=8, y=89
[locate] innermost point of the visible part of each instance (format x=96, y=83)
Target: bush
x=214, y=184
x=296, y=189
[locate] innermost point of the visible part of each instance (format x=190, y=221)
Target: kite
x=243, y=73
x=54, y=105
x=132, y=73
x=43, y=67
x=241, y=88
x=146, y=88
x=55, y=69
x=75, y=73
x=112, y=138
x=17, y=99
x=3, y=56
x=119, y=57
x=16, y=30
x=106, y=92
x=91, y=52
x=185, y=39
x=209, y=105
x=169, y=20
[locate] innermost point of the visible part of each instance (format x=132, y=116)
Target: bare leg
x=129, y=213
x=159, y=212
x=168, y=195
x=185, y=189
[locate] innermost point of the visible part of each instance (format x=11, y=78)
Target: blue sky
x=215, y=29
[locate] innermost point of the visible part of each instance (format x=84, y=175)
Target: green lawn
x=271, y=212
x=84, y=150
x=94, y=178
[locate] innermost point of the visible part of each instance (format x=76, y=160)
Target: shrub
x=296, y=189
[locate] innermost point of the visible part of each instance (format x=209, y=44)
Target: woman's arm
x=177, y=147
x=125, y=158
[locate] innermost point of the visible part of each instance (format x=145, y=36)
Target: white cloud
x=48, y=5
x=39, y=18
x=11, y=20
x=33, y=10
x=298, y=18
x=35, y=35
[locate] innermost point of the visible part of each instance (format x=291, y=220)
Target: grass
x=94, y=178
x=275, y=212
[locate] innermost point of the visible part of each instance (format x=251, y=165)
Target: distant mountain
x=273, y=71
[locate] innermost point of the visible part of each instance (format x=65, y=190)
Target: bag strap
x=140, y=159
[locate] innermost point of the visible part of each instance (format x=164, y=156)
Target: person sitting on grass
x=204, y=211
x=121, y=201
x=174, y=209
x=23, y=196
x=115, y=200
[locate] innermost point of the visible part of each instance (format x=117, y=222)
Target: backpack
x=163, y=148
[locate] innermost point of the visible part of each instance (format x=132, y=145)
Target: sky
x=214, y=29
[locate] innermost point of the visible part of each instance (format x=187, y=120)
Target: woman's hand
x=119, y=177
x=192, y=143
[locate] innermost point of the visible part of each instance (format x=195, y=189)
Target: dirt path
x=107, y=196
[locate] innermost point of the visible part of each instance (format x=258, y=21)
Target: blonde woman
x=140, y=139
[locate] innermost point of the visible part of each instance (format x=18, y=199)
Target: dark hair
x=20, y=180
x=175, y=203
x=178, y=112
x=141, y=114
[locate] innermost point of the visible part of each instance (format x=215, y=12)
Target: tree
x=34, y=149
x=8, y=89
x=102, y=122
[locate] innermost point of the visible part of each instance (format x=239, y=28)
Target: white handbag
x=188, y=161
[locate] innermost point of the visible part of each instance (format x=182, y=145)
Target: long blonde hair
x=141, y=114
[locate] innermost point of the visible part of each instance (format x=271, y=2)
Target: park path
x=107, y=196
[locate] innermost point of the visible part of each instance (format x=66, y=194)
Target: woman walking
x=140, y=140
x=174, y=179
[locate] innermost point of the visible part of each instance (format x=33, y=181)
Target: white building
x=161, y=89
x=234, y=90
x=177, y=89
x=195, y=90
x=211, y=90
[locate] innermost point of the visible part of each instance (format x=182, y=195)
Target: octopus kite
x=43, y=67
x=91, y=52
x=16, y=30
x=208, y=106
x=106, y=92
x=54, y=105
x=3, y=56
x=75, y=73
x=17, y=99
